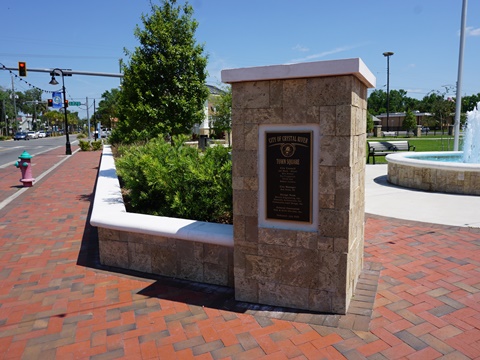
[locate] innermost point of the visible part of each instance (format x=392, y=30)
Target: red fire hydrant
x=26, y=167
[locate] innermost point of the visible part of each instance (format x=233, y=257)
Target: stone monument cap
x=340, y=67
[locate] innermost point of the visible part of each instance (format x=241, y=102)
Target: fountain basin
x=435, y=172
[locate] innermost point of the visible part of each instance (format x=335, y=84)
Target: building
x=209, y=110
x=395, y=120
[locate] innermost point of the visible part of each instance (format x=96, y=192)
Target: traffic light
x=66, y=103
x=22, y=68
x=50, y=102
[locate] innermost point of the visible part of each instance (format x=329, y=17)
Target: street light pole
x=387, y=55
x=458, y=99
x=68, y=149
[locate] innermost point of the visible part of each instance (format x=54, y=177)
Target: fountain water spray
x=471, y=140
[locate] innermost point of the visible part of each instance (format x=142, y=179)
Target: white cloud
x=322, y=54
x=470, y=31
x=326, y=53
x=300, y=48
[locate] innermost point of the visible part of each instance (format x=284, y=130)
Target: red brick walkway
x=57, y=302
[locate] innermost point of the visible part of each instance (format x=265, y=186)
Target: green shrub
x=84, y=145
x=177, y=180
x=81, y=136
x=96, y=145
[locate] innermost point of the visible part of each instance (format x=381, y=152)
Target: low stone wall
x=180, y=248
x=154, y=254
x=435, y=177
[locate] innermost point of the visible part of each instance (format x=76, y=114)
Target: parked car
x=21, y=136
x=105, y=132
x=32, y=135
x=42, y=134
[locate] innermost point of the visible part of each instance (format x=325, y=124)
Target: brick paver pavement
x=58, y=302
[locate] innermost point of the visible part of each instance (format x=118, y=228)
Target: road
x=10, y=150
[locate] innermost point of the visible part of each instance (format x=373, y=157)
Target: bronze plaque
x=289, y=176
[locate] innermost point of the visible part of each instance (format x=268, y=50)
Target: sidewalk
x=382, y=198
x=58, y=302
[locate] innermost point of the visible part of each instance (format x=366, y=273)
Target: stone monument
x=299, y=135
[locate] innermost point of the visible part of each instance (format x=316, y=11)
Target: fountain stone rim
x=415, y=160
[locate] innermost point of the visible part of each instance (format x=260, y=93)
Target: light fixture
x=53, y=81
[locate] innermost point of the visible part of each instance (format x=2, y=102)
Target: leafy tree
x=377, y=102
x=222, y=117
x=108, y=107
x=409, y=122
x=163, y=89
x=57, y=118
x=429, y=101
x=411, y=103
x=7, y=106
x=53, y=118
x=370, y=123
x=72, y=119
x=30, y=102
x=398, y=102
x=441, y=107
x=5, y=111
x=470, y=102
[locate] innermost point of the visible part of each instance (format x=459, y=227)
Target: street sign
x=74, y=103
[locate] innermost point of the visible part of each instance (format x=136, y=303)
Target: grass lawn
x=424, y=143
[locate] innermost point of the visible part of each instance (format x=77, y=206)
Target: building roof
x=215, y=90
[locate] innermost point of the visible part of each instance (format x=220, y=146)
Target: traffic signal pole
x=68, y=72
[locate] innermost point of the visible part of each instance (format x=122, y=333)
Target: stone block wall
x=452, y=181
x=154, y=254
x=315, y=270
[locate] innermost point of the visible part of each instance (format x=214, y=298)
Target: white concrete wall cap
x=354, y=67
x=109, y=212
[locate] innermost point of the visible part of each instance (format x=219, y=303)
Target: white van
x=105, y=132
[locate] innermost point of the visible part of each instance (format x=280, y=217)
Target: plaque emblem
x=287, y=150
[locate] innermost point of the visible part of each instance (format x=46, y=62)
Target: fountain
x=471, y=140
x=456, y=172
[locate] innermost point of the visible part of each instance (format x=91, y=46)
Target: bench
x=382, y=148
x=389, y=133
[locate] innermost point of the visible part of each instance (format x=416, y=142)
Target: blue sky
x=90, y=35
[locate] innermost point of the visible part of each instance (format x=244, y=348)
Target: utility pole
x=35, y=115
x=14, y=102
x=4, y=116
x=88, y=120
x=387, y=55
